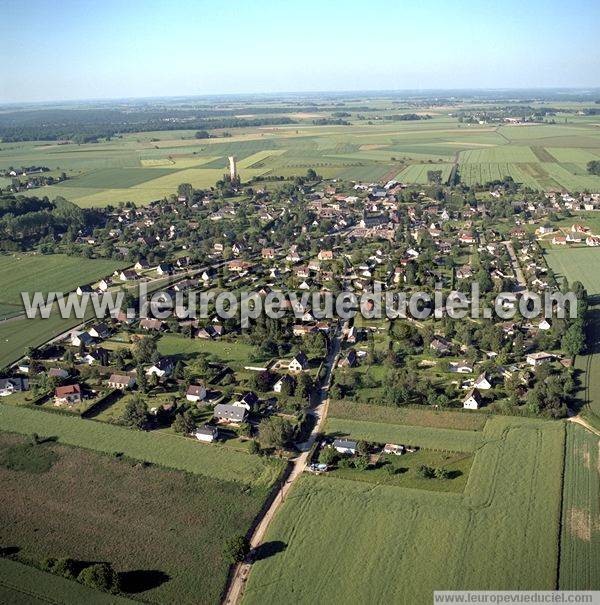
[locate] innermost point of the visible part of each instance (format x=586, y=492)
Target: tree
x=361, y=463
x=64, y=567
x=275, y=432
x=305, y=386
x=184, y=423
x=328, y=455
x=145, y=349
x=100, y=576
x=142, y=381
x=136, y=413
x=236, y=549
x=573, y=341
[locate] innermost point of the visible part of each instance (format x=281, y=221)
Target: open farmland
x=142, y=167
x=37, y=273
x=162, y=529
x=580, y=541
x=164, y=449
x=508, y=515
x=577, y=264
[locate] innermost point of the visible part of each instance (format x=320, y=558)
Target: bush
x=65, y=567
x=100, y=576
x=425, y=472
x=236, y=549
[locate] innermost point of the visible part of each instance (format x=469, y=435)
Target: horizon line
x=414, y=91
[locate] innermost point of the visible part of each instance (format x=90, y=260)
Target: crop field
x=142, y=167
x=439, y=419
x=577, y=264
x=163, y=530
x=580, y=541
x=401, y=544
x=417, y=173
x=38, y=273
x=164, y=449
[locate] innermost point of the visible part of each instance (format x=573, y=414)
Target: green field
x=142, y=167
x=440, y=419
x=165, y=449
x=162, y=529
x=344, y=541
x=577, y=264
x=38, y=273
x=580, y=539
x=16, y=336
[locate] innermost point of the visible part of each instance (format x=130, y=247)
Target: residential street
x=319, y=409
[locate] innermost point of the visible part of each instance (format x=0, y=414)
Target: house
x=163, y=368
x=81, y=338
x=391, y=448
x=299, y=363
x=473, y=400
x=536, y=359
x=104, y=284
x=206, y=433
x=57, y=373
x=151, y=324
x=345, y=446
x=196, y=392
x=164, y=269
x=230, y=413
x=128, y=275
x=440, y=345
x=350, y=360
x=268, y=253
x=325, y=255
x=69, y=394
x=142, y=265
x=100, y=330
x=249, y=400
x=482, y=382
x=461, y=367
x=278, y=386
x=87, y=289
x=121, y=381
x=13, y=385
x=239, y=266
x=559, y=240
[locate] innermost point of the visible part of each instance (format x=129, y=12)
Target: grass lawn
x=235, y=352
x=580, y=540
x=165, y=449
x=163, y=530
x=401, y=544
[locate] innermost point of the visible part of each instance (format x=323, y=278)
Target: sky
x=84, y=49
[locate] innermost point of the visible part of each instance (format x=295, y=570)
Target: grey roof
x=345, y=443
x=207, y=429
x=235, y=413
x=18, y=384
